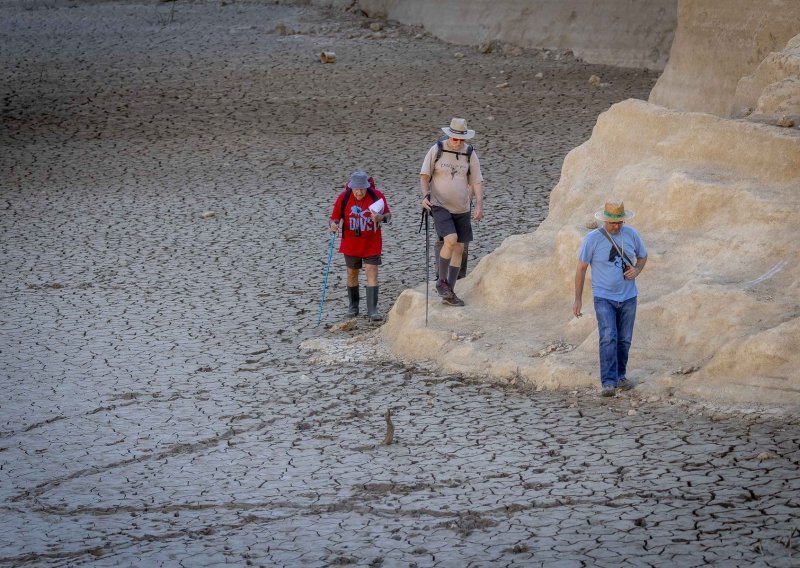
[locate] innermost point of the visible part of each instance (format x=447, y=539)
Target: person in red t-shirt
x=358, y=213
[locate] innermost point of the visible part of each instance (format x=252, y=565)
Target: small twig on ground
x=387, y=440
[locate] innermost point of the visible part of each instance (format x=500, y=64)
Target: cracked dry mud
x=156, y=407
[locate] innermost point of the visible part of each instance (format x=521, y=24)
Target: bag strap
x=616, y=246
x=440, y=149
x=348, y=191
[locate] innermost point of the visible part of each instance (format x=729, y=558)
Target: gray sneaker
x=452, y=300
x=443, y=288
x=625, y=384
x=608, y=390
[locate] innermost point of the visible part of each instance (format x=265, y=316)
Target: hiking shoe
x=452, y=300
x=608, y=390
x=625, y=384
x=443, y=288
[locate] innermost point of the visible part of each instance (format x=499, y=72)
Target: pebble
x=348, y=325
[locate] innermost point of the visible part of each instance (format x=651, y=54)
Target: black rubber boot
x=352, y=293
x=372, y=304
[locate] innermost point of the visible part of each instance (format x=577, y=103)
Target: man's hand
x=477, y=213
x=425, y=190
x=376, y=217
x=334, y=227
x=632, y=273
x=580, y=277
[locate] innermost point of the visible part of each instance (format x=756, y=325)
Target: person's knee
x=608, y=339
x=352, y=276
x=451, y=240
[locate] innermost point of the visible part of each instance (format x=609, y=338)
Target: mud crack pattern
x=156, y=408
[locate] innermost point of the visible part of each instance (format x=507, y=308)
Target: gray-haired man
x=446, y=184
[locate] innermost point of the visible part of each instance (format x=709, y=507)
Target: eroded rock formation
x=719, y=315
x=614, y=32
x=773, y=90
x=717, y=43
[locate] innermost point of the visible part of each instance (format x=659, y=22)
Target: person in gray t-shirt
x=447, y=184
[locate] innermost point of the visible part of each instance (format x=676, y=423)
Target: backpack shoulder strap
x=347, y=193
x=439, y=149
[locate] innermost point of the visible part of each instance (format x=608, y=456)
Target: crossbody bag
x=616, y=246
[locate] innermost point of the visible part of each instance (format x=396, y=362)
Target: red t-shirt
x=357, y=217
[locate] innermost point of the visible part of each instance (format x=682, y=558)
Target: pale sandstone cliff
x=626, y=33
x=721, y=291
x=772, y=92
x=717, y=43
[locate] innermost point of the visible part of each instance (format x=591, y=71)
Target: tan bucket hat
x=458, y=129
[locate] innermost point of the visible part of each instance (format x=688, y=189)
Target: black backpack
x=440, y=149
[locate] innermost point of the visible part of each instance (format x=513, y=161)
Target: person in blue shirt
x=617, y=256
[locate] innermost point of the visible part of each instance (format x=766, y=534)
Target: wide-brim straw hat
x=614, y=213
x=458, y=129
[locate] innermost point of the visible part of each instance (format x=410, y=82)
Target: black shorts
x=356, y=261
x=448, y=223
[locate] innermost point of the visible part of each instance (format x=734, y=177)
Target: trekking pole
x=427, y=257
x=325, y=285
x=427, y=263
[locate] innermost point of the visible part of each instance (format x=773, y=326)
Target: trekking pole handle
x=423, y=220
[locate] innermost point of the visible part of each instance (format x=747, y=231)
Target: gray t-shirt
x=450, y=187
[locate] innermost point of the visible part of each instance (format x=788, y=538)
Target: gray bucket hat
x=359, y=180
